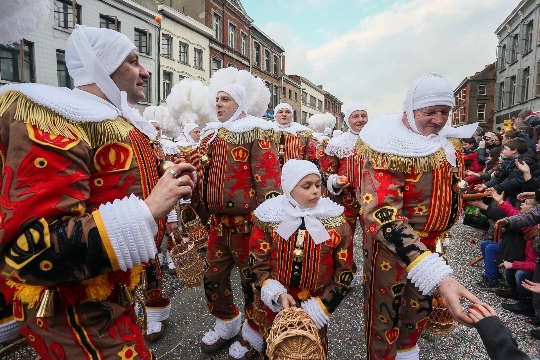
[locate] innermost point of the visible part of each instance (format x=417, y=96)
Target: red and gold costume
x=318, y=277
x=56, y=230
x=407, y=203
x=295, y=141
x=240, y=171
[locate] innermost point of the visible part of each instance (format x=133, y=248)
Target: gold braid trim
x=184, y=148
x=403, y=163
x=304, y=134
x=329, y=223
x=246, y=136
x=93, y=133
x=300, y=134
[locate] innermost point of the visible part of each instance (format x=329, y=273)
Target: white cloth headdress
x=352, y=108
x=92, y=54
x=336, y=133
x=291, y=174
x=239, y=94
x=432, y=90
x=282, y=106
x=187, y=129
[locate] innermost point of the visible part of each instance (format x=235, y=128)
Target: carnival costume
x=294, y=140
x=74, y=228
x=306, y=252
x=408, y=202
x=241, y=171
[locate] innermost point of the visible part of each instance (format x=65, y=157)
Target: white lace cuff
x=253, y=337
x=330, y=185
x=9, y=331
x=316, y=312
x=270, y=295
x=446, y=241
x=130, y=228
x=155, y=314
x=172, y=217
x=428, y=273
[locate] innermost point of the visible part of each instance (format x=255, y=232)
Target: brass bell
x=125, y=297
x=298, y=255
x=143, y=284
x=460, y=187
x=205, y=160
x=164, y=165
x=46, y=304
x=219, y=229
x=246, y=228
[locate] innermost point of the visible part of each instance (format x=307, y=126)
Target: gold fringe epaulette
x=185, y=149
x=246, y=136
x=93, y=133
x=329, y=223
x=301, y=134
x=403, y=163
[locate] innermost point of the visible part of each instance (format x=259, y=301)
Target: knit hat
x=187, y=129
x=352, y=108
x=110, y=47
x=239, y=94
x=282, y=106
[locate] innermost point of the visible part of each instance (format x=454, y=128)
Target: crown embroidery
x=385, y=215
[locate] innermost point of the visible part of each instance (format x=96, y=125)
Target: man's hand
x=169, y=190
x=480, y=311
x=531, y=286
x=499, y=199
x=482, y=144
x=171, y=227
x=341, y=182
x=286, y=300
x=506, y=264
x=501, y=223
x=480, y=187
x=451, y=292
x=471, y=173
x=478, y=203
x=526, y=195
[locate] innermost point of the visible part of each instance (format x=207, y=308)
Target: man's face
x=430, y=120
x=357, y=120
x=225, y=106
x=467, y=146
x=195, y=134
x=158, y=128
x=283, y=116
x=130, y=76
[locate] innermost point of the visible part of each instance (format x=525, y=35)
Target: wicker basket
x=189, y=265
x=294, y=335
x=18, y=350
x=194, y=228
x=440, y=320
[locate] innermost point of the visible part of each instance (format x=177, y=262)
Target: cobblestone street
x=190, y=318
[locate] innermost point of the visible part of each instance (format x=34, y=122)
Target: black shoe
x=535, y=334
x=487, y=284
x=534, y=321
x=519, y=308
x=508, y=294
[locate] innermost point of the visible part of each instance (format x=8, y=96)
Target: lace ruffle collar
x=239, y=126
x=271, y=210
x=293, y=128
x=342, y=146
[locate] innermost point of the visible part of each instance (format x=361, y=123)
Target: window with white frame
x=319, y=105
x=513, y=88
x=537, y=80
x=12, y=67
x=183, y=53
x=243, y=44
x=501, y=95
x=147, y=90
x=142, y=41
x=525, y=78
x=481, y=112
x=166, y=45
x=167, y=83
x=514, y=48
x=529, y=28
x=197, y=60
x=304, y=97
x=232, y=36
x=482, y=89
x=304, y=117
x=276, y=64
x=267, y=60
x=217, y=26
x=257, y=54
x=312, y=101
x=63, y=14
x=62, y=74
x=216, y=65
x=109, y=22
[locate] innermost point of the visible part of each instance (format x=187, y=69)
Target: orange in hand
x=345, y=180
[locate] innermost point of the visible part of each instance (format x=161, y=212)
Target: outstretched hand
x=522, y=166
x=451, y=292
x=480, y=311
x=531, y=286
x=286, y=300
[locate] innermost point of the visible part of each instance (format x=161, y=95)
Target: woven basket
x=189, y=265
x=18, y=350
x=194, y=228
x=294, y=336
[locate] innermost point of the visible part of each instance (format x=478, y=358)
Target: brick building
x=312, y=97
x=266, y=59
x=291, y=94
x=475, y=99
x=229, y=45
x=333, y=105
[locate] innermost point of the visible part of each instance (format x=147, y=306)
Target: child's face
x=527, y=205
x=308, y=191
x=467, y=146
x=509, y=154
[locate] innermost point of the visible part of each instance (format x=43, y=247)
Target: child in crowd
x=300, y=249
x=497, y=338
x=470, y=156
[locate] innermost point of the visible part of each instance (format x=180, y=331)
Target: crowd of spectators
x=503, y=168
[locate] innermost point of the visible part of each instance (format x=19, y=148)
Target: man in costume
x=78, y=219
x=411, y=165
x=241, y=170
x=341, y=163
x=294, y=140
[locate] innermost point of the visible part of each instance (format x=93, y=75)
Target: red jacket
x=529, y=264
x=472, y=157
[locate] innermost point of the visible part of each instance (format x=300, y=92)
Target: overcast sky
x=370, y=51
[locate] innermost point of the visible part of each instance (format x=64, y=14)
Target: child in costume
x=300, y=250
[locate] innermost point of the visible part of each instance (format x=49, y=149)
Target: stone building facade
x=333, y=105
x=312, y=98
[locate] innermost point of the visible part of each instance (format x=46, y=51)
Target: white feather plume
x=319, y=122
x=258, y=93
x=20, y=18
x=170, y=126
x=188, y=102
